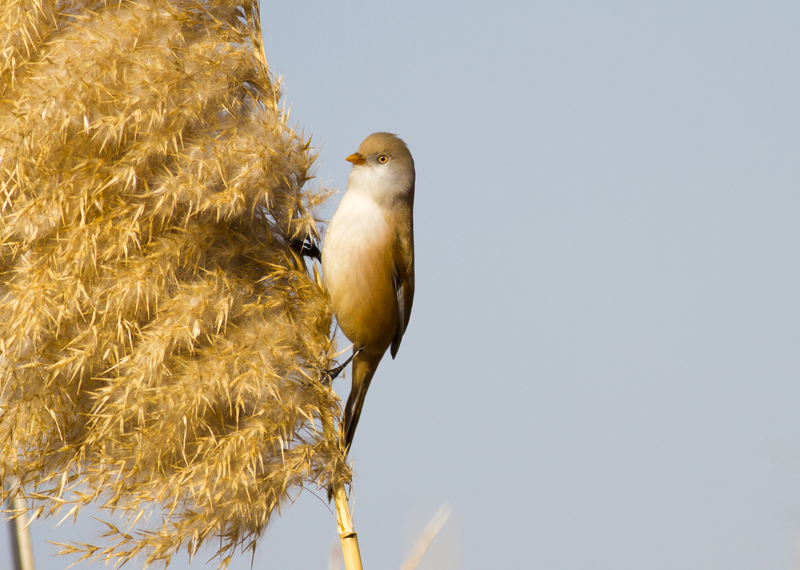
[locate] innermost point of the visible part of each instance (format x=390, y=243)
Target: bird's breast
x=358, y=265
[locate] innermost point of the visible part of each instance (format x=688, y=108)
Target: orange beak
x=356, y=159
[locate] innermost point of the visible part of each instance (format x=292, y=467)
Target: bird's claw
x=328, y=376
x=306, y=247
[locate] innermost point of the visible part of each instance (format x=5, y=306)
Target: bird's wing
x=403, y=281
x=401, y=315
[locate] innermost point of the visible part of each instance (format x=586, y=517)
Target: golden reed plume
x=160, y=337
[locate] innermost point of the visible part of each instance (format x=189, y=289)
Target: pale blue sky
x=602, y=369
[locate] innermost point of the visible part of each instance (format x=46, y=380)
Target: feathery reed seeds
x=159, y=338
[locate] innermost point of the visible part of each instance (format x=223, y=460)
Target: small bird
x=368, y=260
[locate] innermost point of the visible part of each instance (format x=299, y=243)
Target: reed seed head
x=160, y=340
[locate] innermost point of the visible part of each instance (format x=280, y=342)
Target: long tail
x=364, y=366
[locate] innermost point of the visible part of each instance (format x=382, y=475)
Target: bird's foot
x=306, y=247
x=328, y=376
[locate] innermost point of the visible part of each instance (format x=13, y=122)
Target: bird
x=368, y=260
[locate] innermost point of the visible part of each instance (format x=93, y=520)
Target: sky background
x=602, y=369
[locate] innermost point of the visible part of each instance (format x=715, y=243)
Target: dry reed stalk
x=426, y=538
x=160, y=339
x=347, y=534
x=344, y=519
x=20, y=534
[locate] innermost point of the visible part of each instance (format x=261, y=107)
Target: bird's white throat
x=382, y=183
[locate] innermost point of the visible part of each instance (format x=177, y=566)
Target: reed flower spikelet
x=159, y=337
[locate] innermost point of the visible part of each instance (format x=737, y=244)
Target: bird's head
x=383, y=167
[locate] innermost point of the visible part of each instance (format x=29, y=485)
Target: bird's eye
x=383, y=159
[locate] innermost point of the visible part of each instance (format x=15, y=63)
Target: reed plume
x=160, y=337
